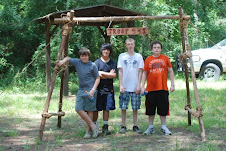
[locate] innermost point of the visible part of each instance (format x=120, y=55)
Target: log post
x=63, y=81
x=48, y=62
x=65, y=31
x=185, y=64
x=197, y=99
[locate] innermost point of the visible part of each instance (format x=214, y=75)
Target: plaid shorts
x=124, y=100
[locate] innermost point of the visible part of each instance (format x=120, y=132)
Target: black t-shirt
x=106, y=85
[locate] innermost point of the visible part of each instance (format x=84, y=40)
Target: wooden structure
x=114, y=16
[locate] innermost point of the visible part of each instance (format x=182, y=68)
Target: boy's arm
x=171, y=75
x=144, y=77
x=122, y=89
x=97, y=81
x=107, y=75
x=63, y=62
x=139, y=80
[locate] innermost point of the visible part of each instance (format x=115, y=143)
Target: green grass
x=21, y=108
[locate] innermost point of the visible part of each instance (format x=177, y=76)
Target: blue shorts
x=124, y=100
x=105, y=101
x=83, y=102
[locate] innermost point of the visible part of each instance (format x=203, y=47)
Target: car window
x=221, y=44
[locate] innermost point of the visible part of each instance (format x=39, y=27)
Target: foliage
x=21, y=38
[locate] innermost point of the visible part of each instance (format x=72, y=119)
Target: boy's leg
x=163, y=120
x=135, y=112
x=95, y=116
x=136, y=102
x=105, y=123
x=123, y=115
x=151, y=119
x=150, y=129
x=123, y=104
x=87, y=119
x=106, y=115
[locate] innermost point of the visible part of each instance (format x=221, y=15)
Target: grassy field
x=20, y=118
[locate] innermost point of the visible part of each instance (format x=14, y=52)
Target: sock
x=150, y=126
x=105, y=122
x=163, y=126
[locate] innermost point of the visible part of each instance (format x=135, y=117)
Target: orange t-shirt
x=157, y=69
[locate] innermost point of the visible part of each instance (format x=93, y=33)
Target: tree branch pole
x=116, y=18
x=65, y=31
x=185, y=64
x=48, y=51
x=197, y=99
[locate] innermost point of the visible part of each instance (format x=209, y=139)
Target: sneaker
x=97, y=125
x=123, y=130
x=105, y=130
x=95, y=132
x=87, y=135
x=149, y=131
x=166, y=131
x=137, y=130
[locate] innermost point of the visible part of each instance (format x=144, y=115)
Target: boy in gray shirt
x=88, y=81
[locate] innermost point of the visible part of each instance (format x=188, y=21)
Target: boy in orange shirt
x=155, y=71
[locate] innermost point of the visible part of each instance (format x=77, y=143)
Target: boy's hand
x=91, y=93
x=138, y=90
x=142, y=91
x=112, y=71
x=172, y=88
x=122, y=89
x=60, y=63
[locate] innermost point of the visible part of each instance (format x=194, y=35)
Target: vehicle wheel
x=210, y=72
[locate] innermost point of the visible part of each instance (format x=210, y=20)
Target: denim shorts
x=105, y=101
x=124, y=100
x=83, y=102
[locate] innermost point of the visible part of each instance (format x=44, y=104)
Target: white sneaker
x=97, y=125
x=95, y=131
x=149, y=131
x=166, y=131
x=87, y=135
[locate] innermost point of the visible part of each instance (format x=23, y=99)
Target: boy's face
x=106, y=53
x=130, y=45
x=156, y=49
x=84, y=58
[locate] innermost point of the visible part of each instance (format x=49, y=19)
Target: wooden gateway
x=93, y=16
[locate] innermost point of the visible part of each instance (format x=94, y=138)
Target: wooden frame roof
x=93, y=11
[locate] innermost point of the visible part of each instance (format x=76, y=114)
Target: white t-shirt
x=130, y=68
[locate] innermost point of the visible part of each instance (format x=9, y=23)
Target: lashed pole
x=66, y=30
x=184, y=61
x=197, y=99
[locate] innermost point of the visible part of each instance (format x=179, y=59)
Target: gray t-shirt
x=87, y=73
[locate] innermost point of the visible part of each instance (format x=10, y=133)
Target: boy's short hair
x=106, y=46
x=155, y=42
x=130, y=40
x=84, y=51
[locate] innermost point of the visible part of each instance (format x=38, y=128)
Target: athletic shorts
x=83, y=102
x=124, y=100
x=157, y=100
x=105, y=101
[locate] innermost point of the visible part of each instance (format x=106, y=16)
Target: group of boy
x=96, y=91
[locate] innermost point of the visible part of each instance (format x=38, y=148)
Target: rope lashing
x=66, y=30
x=197, y=113
x=48, y=115
x=183, y=57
